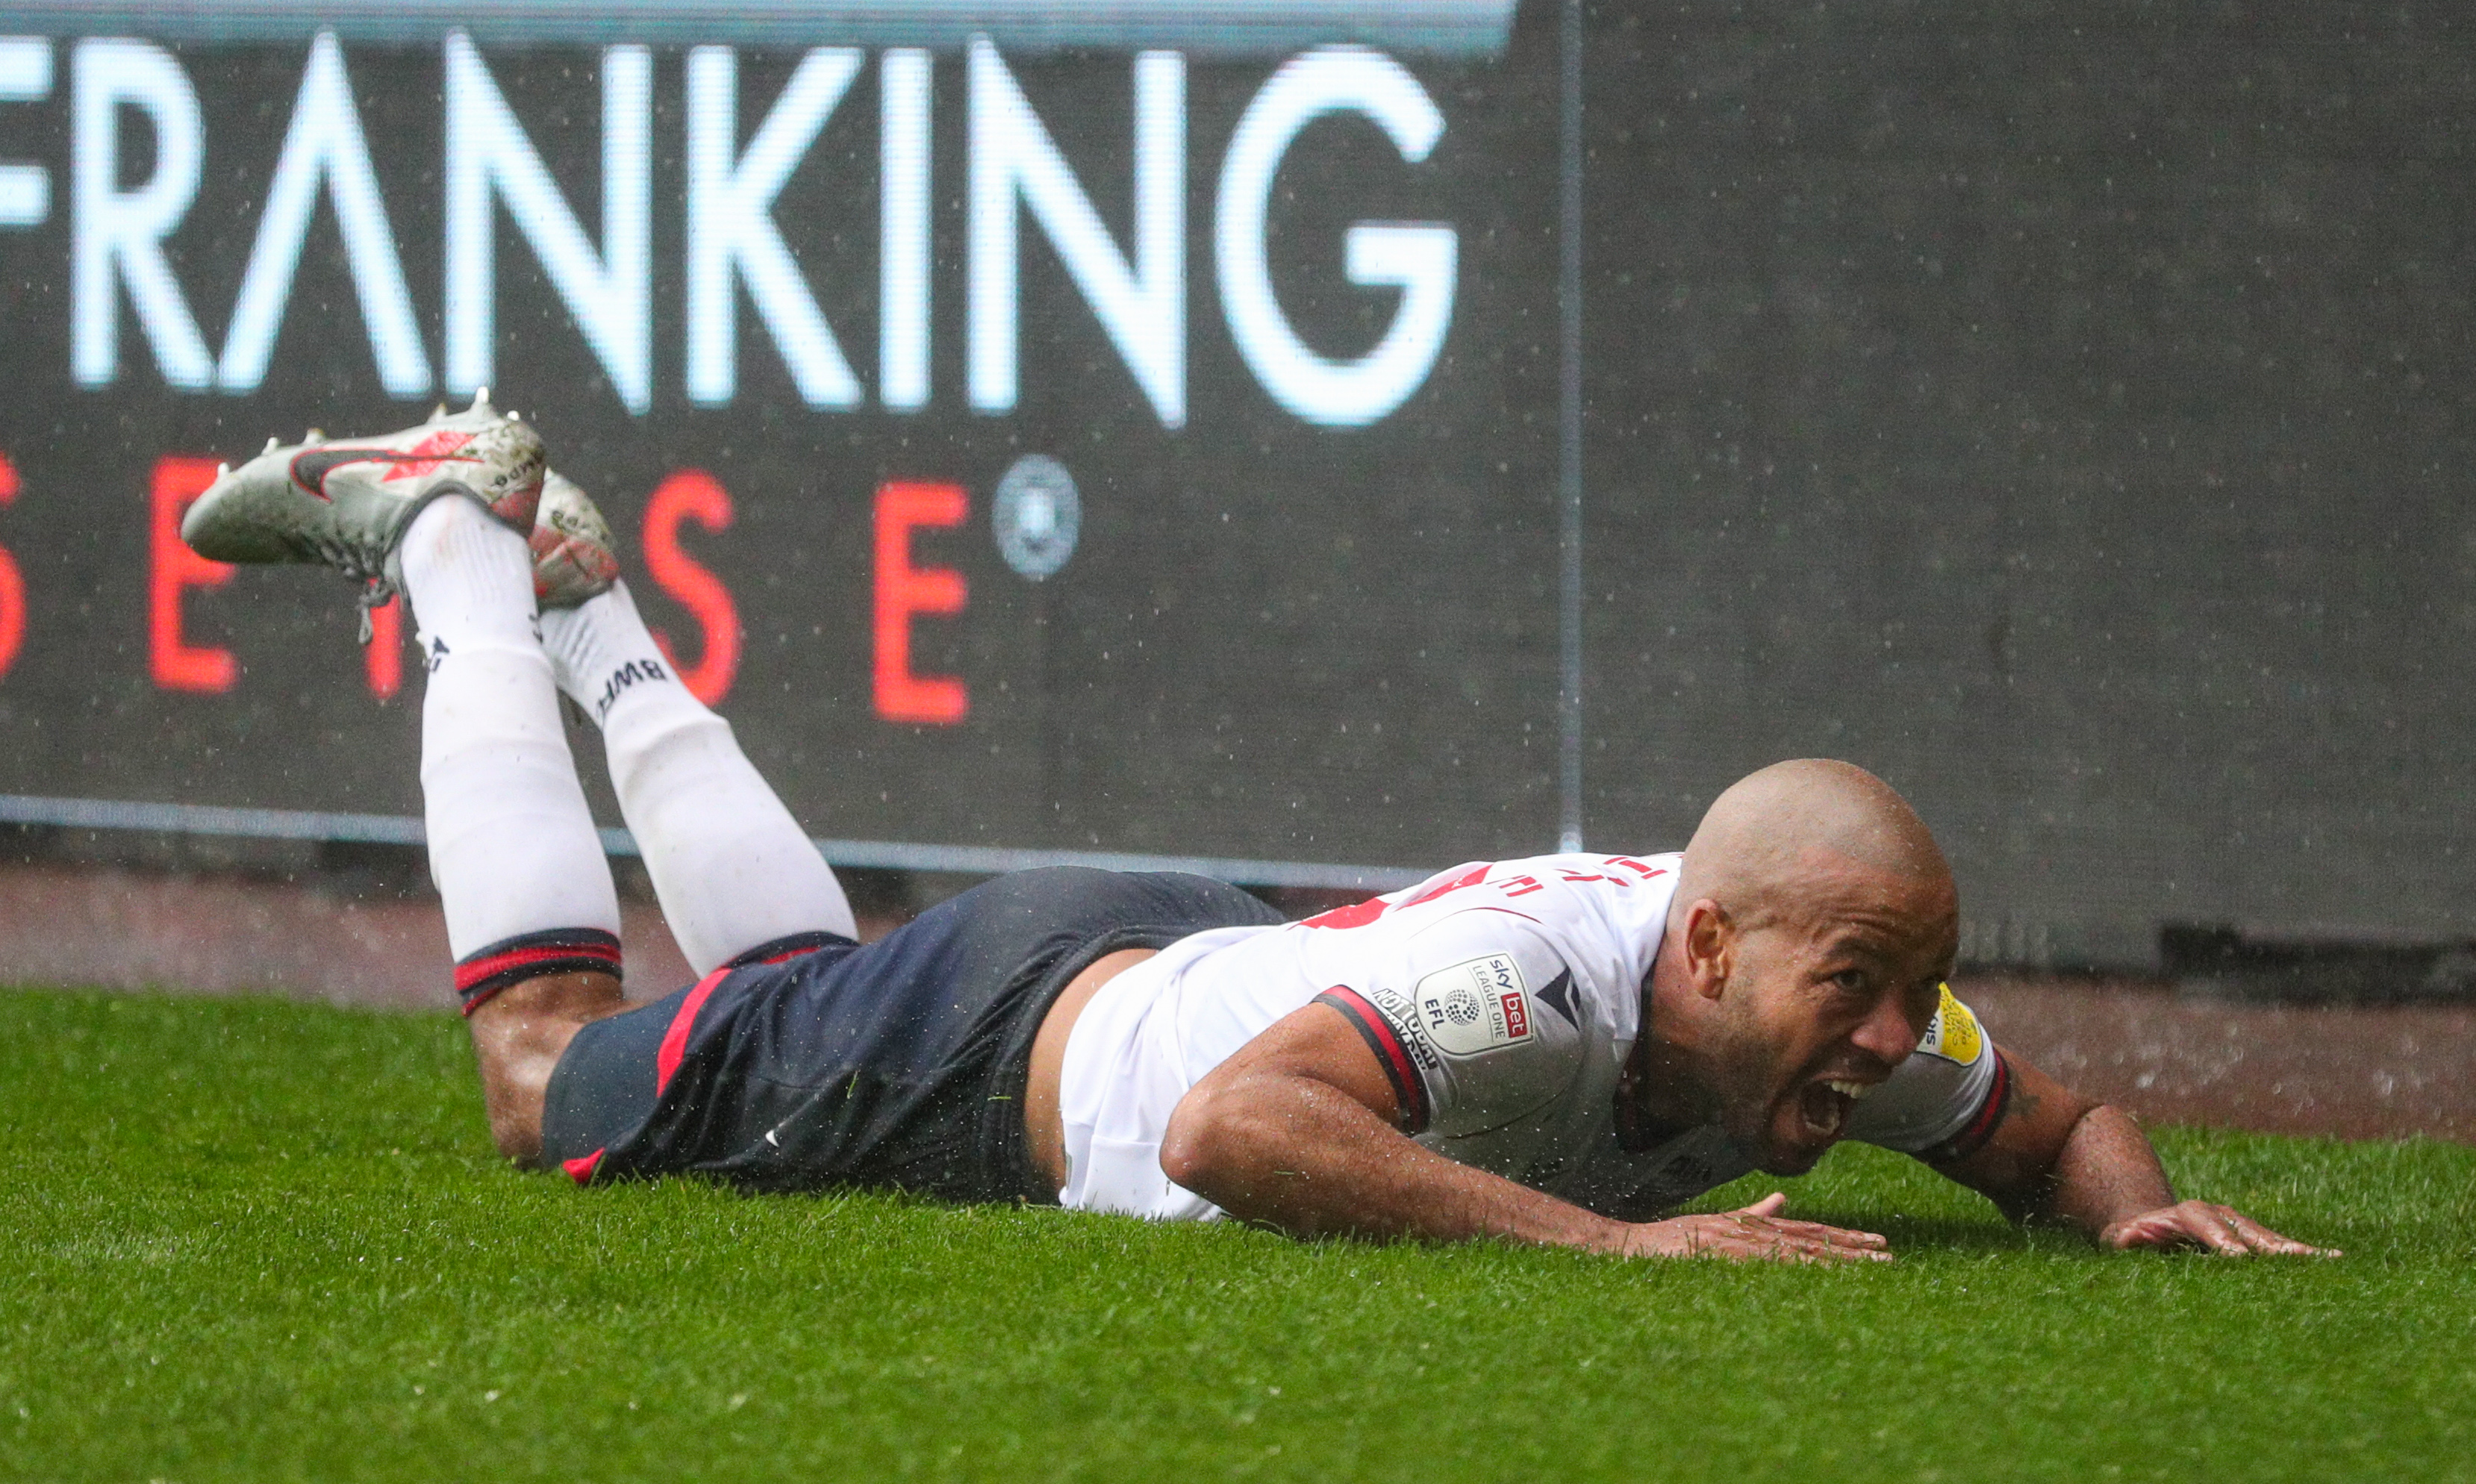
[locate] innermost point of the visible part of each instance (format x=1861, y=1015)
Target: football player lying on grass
x=1553, y=1049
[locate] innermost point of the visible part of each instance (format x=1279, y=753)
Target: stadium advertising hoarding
x=1157, y=427
x=1035, y=433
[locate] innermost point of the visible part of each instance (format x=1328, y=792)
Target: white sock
x=513, y=847
x=733, y=868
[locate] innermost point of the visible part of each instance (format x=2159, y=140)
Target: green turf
x=246, y=1240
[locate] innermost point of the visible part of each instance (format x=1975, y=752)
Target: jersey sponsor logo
x=1953, y=1034
x=1474, y=1006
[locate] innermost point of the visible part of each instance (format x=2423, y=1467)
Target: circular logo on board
x=1461, y=1005
x=1037, y=516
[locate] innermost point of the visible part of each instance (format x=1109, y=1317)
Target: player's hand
x=2212, y=1228
x=1754, y=1233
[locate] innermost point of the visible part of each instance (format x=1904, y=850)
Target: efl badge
x=1952, y=1034
x=1474, y=1006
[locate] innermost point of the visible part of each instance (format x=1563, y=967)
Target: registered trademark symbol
x=1036, y=516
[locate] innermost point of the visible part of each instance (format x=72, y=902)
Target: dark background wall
x=2066, y=411
x=2062, y=411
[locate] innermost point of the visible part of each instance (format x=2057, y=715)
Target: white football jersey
x=1503, y=999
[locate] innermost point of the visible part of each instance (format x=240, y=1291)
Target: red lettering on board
x=175, y=663
x=383, y=659
x=12, y=585
x=905, y=592
x=694, y=495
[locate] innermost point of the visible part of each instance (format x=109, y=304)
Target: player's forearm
x=2107, y=1172
x=1305, y=1157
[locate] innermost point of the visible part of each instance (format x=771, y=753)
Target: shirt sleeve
x=1944, y=1101
x=1475, y=1023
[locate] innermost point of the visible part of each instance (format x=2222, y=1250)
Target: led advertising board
x=1132, y=449
x=1332, y=439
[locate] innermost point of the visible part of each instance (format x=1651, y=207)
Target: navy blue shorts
x=899, y=1064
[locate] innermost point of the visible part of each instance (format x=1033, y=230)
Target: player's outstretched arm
x=1298, y=1131
x=2058, y=1156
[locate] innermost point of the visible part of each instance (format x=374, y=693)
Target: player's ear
x=1710, y=946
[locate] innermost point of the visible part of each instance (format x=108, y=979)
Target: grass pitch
x=249, y=1240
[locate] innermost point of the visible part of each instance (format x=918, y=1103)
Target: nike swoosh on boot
x=311, y=465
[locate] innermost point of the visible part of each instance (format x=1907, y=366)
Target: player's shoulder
x=1589, y=905
x=1584, y=867
x=1486, y=1015
x=1547, y=887
x=1539, y=883
x=1935, y=1093
x=1575, y=932
x=1576, y=917
x=1954, y=1034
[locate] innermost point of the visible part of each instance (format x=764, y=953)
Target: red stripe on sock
x=468, y=975
x=580, y=1169
x=675, y=1041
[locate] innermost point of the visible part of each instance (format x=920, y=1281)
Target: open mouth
x=1825, y=1104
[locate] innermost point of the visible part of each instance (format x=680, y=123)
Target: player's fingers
x=1843, y=1235
x=1780, y=1247
x=1827, y=1237
x=2215, y=1227
x=2158, y=1230
x=1769, y=1205
x=2188, y=1225
x=1741, y=1238
x=1815, y=1252
x=1815, y=1229
x=2252, y=1235
x=2264, y=1240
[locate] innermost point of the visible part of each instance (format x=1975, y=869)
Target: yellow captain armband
x=1953, y=1034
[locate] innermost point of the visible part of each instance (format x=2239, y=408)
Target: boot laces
x=355, y=564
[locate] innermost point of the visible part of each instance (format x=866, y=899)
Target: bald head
x=1774, y=835
x=1812, y=925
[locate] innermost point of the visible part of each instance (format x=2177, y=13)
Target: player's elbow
x=1198, y=1146
x=1224, y=1136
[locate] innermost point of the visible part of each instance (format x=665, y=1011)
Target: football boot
x=345, y=503
x=575, y=554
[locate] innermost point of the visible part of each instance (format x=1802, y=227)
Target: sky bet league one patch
x=1476, y=1006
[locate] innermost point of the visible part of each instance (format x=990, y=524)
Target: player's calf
x=519, y=1034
